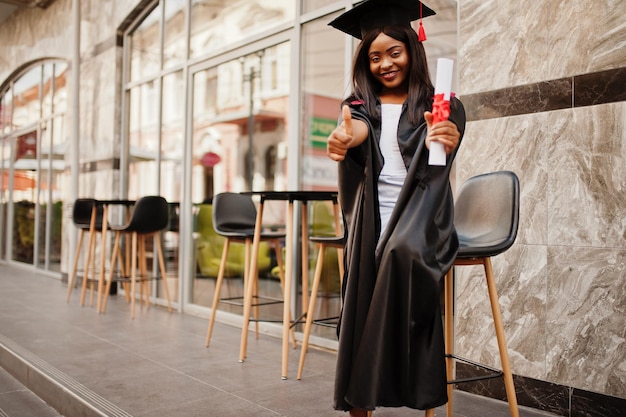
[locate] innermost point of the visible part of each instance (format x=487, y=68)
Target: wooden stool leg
x=218, y=289
x=281, y=277
x=114, y=257
x=92, y=282
x=90, y=250
x=311, y=310
x=502, y=345
x=247, y=306
x=143, y=272
x=70, y=282
x=429, y=413
x=163, y=271
x=449, y=334
x=247, y=299
x=133, y=274
x=252, y=280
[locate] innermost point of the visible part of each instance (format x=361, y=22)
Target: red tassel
x=421, y=34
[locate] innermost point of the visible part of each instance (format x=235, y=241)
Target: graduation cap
x=372, y=14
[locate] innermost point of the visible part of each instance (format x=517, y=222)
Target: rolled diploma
x=443, y=85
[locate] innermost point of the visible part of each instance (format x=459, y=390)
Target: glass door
x=239, y=142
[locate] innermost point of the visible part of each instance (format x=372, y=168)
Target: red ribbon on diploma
x=441, y=109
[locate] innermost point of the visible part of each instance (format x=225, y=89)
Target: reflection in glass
x=172, y=145
x=26, y=103
x=48, y=89
x=174, y=38
x=60, y=88
x=44, y=210
x=239, y=103
x=143, y=140
x=52, y=172
x=5, y=154
x=310, y=5
x=24, y=186
x=145, y=53
x=216, y=24
x=32, y=164
x=323, y=90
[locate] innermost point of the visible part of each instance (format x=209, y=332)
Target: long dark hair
x=366, y=88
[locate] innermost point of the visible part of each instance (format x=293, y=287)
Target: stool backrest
x=486, y=214
x=233, y=213
x=150, y=214
x=81, y=212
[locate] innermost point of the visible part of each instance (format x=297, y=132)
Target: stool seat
x=335, y=241
x=486, y=212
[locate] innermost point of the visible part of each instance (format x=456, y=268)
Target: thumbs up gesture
x=341, y=139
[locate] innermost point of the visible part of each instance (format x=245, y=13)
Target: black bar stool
x=486, y=217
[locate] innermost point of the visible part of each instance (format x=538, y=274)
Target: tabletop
x=295, y=195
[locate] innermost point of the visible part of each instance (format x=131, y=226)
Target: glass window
x=310, y=5
x=323, y=89
x=239, y=129
x=145, y=47
x=48, y=89
x=174, y=37
x=26, y=103
x=216, y=24
x=43, y=195
x=6, y=102
x=33, y=164
x=24, y=187
x=5, y=155
x=60, y=87
x=143, y=140
x=171, y=167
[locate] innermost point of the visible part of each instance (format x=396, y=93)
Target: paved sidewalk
x=83, y=363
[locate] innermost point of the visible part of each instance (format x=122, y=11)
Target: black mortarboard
x=372, y=14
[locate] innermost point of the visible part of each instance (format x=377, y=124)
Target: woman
x=398, y=211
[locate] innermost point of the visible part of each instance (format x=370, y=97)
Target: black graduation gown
x=391, y=347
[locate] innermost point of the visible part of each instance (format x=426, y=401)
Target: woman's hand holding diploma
x=442, y=136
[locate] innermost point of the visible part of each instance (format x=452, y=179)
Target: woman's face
x=389, y=63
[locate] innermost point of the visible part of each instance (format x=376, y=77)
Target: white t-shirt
x=393, y=173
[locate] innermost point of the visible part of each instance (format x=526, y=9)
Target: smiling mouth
x=389, y=75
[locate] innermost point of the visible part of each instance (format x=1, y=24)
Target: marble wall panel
x=521, y=275
x=585, y=36
x=518, y=144
x=586, y=176
x=569, y=259
x=504, y=44
x=586, y=307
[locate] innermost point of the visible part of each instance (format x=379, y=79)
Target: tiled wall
x=544, y=84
